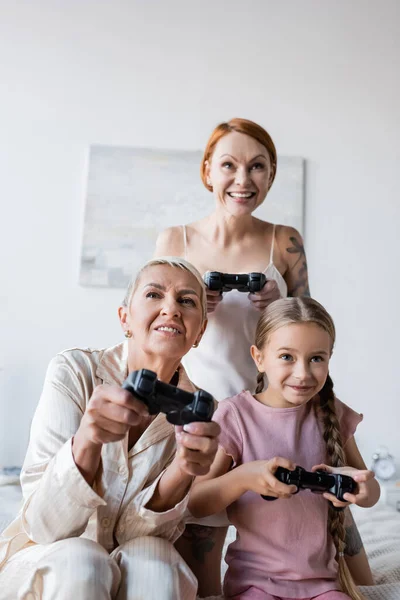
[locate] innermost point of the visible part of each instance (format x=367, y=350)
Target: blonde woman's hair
x=172, y=261
x=289, y=311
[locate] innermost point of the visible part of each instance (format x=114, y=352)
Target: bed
x=379, y=527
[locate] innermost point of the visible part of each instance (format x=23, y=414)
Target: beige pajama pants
x=146, y=568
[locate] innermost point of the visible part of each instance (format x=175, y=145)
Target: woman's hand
x=197, y=444
x=109, y=415
x=269, y=293
x=214, y=297
x=365, y=480
x=258, y=476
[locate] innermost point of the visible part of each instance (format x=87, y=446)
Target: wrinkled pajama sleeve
x=58, y=500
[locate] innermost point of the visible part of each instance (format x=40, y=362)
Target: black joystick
x=181, y=407
x=225, y=282
x=318, y=482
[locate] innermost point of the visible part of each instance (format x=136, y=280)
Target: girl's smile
x=301, y=388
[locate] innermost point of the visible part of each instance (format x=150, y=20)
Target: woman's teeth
x=238, y=195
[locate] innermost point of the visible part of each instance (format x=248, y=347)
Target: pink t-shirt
x=282, y=547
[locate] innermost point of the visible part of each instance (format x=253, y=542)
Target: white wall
x=322, y=77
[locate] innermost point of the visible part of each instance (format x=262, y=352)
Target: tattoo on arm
x=300, y=286
x=201, y=539
x=353, y=541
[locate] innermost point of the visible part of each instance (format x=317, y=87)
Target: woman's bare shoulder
x=286, y=231
x=285, y=235
x=170, y=242
x=289, y=240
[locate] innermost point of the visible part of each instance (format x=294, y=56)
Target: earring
x=195, y=345
x=209, y=181
x=128, y=334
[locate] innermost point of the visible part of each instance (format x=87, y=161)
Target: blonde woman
x=293, y=547
x=105, y=484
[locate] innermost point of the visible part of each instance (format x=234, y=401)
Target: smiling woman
x=239, y=167
x=105, y=483
x=164, y=316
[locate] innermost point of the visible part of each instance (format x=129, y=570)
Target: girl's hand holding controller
x=214, y=297
x=363, y=477
x=268, y=294
x=258, y=476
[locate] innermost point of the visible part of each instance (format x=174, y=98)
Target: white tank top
x=222, y=364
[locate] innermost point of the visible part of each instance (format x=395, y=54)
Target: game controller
x=318, y=482
x=225, y=282
x=181, y=407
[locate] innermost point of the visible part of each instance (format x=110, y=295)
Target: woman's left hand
x=361, y=477
x=197, y=445
x=269, y=293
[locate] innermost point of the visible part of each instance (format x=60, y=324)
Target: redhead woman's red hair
x=240, y=126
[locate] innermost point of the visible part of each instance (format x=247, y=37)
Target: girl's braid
x=336, y=458
x=260, y=383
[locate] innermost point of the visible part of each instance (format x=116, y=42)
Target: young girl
x=291, y=547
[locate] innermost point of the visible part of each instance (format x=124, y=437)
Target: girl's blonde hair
x=288, y=311
x=172, y=261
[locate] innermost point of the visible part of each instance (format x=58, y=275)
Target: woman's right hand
x=109, y=415
x=214, y=297
x=258, y=476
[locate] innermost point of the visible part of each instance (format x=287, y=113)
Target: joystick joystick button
x=202, y=408
x=145, y=386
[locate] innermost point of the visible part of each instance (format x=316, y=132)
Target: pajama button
x=105, y=522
